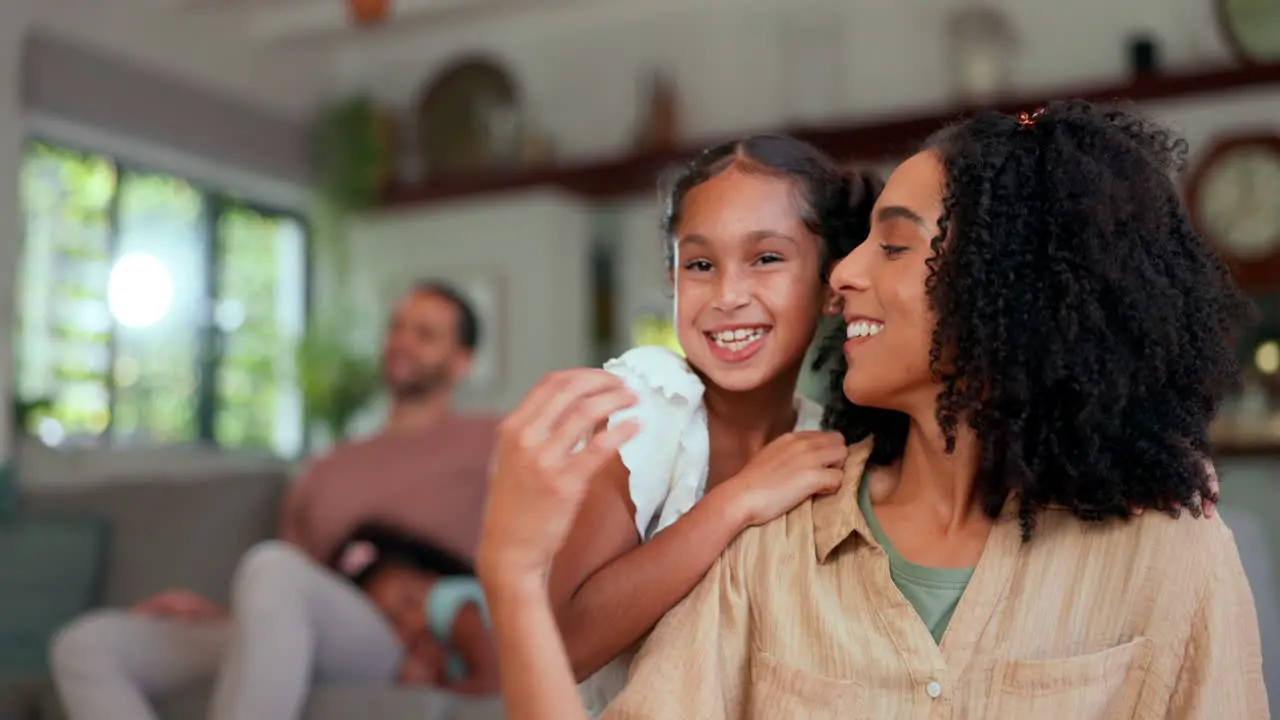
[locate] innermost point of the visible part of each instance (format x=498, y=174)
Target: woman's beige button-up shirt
x=1149, y=618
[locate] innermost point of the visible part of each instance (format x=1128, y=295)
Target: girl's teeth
x=738, y=339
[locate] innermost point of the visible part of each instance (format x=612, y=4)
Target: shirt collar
x=837, y=516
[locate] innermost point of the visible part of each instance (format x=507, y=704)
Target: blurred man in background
x=291, y=618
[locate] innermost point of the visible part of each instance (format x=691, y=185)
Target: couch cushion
x=339, y=702
x=342, y=703
x=168, y=532
x=24, y=698
x=52, y=571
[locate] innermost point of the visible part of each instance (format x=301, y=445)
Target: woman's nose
x=850, y=274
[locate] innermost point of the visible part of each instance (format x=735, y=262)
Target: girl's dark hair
x=1084, y=330
x=833, y=202
x=393, y=546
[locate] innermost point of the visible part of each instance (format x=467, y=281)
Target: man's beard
x=424, y=385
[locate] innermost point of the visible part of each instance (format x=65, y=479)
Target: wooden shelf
x=1247, y=450
x=859, y=141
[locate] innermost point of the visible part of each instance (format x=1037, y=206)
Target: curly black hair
x=1084, y=329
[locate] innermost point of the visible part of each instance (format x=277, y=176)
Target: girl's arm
x=607, y=590
x=537, y=683
x=472, y=639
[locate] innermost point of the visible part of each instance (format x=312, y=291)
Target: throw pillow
x=52, y=572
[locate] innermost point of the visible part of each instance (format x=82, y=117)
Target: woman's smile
x=861, y=330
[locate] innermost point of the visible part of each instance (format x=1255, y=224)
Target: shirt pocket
x=778, y=690
x=1100, y=686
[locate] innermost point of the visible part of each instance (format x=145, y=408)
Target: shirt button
x=933, y=689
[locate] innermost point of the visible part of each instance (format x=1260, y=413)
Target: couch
x=163, y=531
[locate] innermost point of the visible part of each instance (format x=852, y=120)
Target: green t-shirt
x=933, y=592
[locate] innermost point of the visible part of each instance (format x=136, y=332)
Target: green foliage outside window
x=655, y=330
x=217, y=366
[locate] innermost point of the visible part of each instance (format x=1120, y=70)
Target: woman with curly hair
x=1036, y=343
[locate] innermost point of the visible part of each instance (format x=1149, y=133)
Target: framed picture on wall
x=486, y=291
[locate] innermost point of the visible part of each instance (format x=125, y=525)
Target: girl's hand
x=539, y=475
x=785, y=473
x=423, y=663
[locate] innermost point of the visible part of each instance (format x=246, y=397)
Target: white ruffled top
x=669, y=457
x=668, y=460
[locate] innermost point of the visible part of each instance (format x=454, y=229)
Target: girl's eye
x=768, y=258
x=697, y=266
x=892, y=251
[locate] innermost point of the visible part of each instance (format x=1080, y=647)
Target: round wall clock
x=1233, y=196
x=1252, y=27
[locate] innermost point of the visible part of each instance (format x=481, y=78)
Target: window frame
x=211, y=339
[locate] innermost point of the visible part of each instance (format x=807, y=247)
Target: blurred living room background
x=207, y=208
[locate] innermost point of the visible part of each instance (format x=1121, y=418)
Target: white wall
x=13, y=23
x=535, y=244
x=760, y=64
x=207, y=48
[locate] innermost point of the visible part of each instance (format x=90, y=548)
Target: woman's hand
x=785, y=473
x=539, y=476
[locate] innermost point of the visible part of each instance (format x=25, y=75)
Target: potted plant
x=25, y=413
x=336, y=381
x=355, y=149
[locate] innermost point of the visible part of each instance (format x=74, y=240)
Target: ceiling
x=326, y=22
x=285, y=21
x=288, y=55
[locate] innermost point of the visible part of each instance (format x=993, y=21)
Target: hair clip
x=1026, y=120
x=357, y=557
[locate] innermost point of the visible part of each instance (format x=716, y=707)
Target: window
x=655, y=329
x=153, y=311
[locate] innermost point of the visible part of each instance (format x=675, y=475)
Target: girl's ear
x=832, y=303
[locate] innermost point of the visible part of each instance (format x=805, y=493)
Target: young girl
x=751, y=229
x=434, y=603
